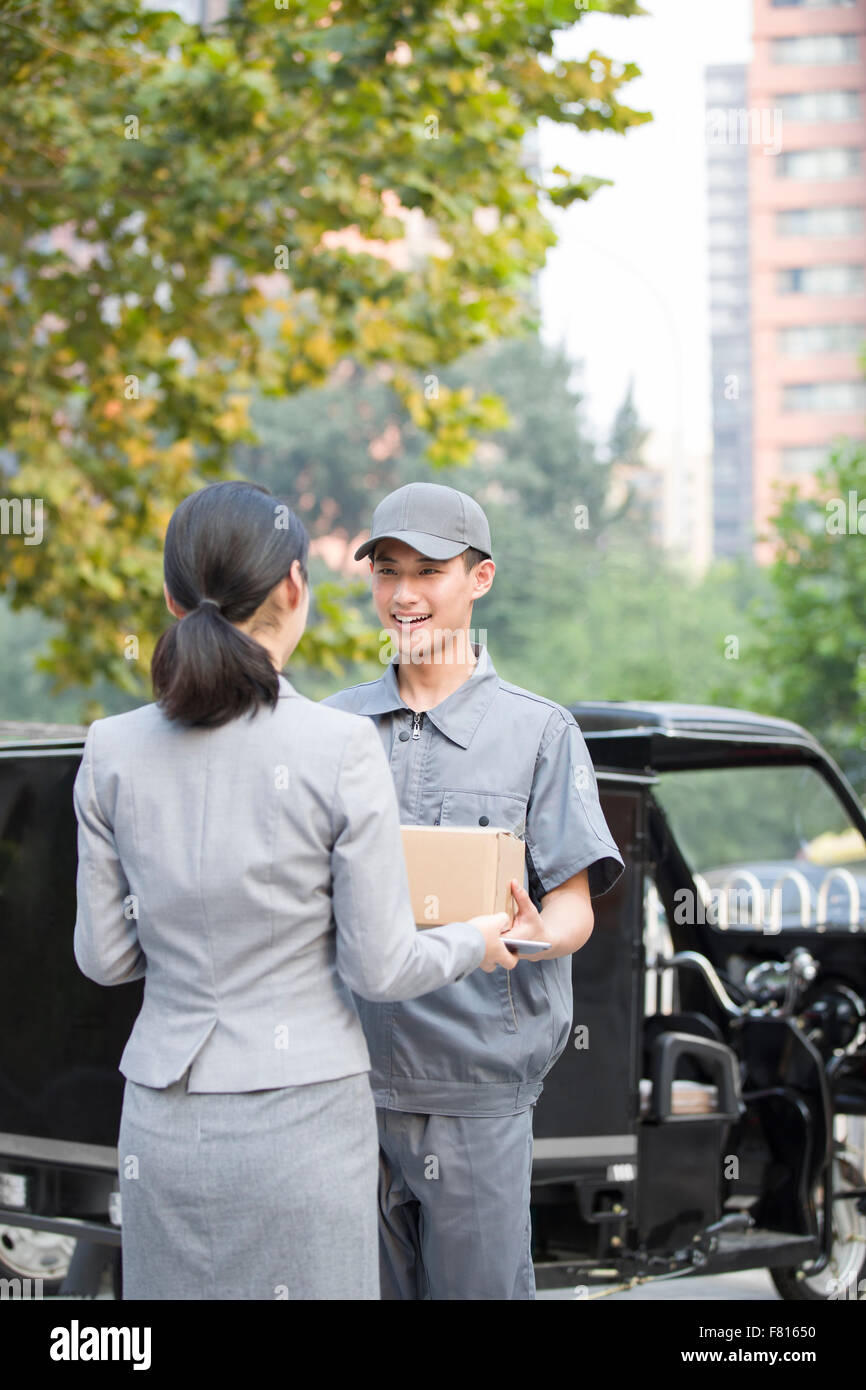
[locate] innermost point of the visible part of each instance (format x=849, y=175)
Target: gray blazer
x=253, y=875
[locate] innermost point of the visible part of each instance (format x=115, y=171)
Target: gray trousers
x=454, y=1196
x=249, y=1195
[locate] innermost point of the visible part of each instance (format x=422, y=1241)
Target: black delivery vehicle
x=709, y=1112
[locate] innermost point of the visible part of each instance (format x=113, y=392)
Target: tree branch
x=68, y=52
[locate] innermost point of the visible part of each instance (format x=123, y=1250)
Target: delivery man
x=456, y=1073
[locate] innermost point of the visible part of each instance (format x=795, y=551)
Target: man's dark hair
x=471, y=557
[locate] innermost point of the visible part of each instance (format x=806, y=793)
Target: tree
x=165, y=192
x=346, y=445
x=625, y=451
x=627, y=435
x=636, y=627
x=333, y=447
x=543, y=462
x=809, y=663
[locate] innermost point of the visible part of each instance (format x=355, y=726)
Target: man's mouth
x=407, y=620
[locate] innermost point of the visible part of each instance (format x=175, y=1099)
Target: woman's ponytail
x=227, y=546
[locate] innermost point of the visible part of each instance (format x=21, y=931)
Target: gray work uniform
x=493, y=754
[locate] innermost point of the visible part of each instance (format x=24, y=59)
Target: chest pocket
x=498, y=810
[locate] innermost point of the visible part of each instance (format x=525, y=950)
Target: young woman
x=239, y=848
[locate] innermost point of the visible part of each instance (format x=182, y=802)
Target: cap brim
x=434, y=547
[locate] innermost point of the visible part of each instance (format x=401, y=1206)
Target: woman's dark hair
x=231, y=542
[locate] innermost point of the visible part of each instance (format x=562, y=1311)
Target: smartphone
x=525, y=948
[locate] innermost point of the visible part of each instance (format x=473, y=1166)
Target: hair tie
x=208, y=600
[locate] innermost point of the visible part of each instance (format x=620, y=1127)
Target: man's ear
x=483, y=573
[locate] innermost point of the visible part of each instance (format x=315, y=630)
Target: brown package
x=461, y=871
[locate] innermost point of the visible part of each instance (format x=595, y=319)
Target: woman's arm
x=106, y=933
x=380, y=953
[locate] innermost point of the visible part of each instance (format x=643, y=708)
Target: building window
x=826, y=163
x=724, y=234
x=728, y=292
x=721, y=204
x=819, y=106
x=808, y=339
x=723, y=174
x=804, y=458
x=723, y=262
x=804, y=49
x=828, y=221
x=724, y=94
x=821, y=279
x=725, y=320
x=824, y=395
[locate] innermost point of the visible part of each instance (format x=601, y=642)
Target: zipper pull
x=416, y=724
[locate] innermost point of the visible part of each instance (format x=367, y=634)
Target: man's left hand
x=527, y=924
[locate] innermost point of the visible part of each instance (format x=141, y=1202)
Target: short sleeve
x=565, y=827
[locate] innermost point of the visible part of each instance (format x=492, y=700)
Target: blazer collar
x=457, y=716
x=286, y=687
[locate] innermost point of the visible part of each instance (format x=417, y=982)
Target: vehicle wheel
x=26, y=1254
x=844, y=1276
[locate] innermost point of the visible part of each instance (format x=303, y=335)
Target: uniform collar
x=457, y=716
x=286, y=687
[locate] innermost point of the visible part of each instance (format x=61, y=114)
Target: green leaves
x=171, y=168
x=813, y=626
x=583, y=189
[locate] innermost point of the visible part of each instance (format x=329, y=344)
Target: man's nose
x=404, y=592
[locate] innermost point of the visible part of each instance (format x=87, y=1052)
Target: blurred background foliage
x=152, y=341
x=191, y=219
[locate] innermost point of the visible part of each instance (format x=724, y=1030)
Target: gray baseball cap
x=439, y=521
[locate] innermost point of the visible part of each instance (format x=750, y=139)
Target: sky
x=626, y=286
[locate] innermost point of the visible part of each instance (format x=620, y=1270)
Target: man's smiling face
x=421, y=602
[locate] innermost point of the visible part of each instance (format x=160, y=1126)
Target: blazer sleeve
x=106, y=934
x=380, y=952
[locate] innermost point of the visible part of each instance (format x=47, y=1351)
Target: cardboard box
x=461, y=871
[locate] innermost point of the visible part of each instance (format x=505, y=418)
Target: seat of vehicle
x=691, y=1022
x=687, y=1097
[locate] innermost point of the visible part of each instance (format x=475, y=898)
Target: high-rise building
x=725, y=93
x=807, y=214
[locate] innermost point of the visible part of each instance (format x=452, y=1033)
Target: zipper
x=416, y=724
x=511, y=1001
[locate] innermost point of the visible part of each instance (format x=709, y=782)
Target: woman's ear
x=295, y=584
x=172, y=607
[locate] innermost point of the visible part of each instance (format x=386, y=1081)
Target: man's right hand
x=491, y=926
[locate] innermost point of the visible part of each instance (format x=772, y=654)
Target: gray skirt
x=250, y=1195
